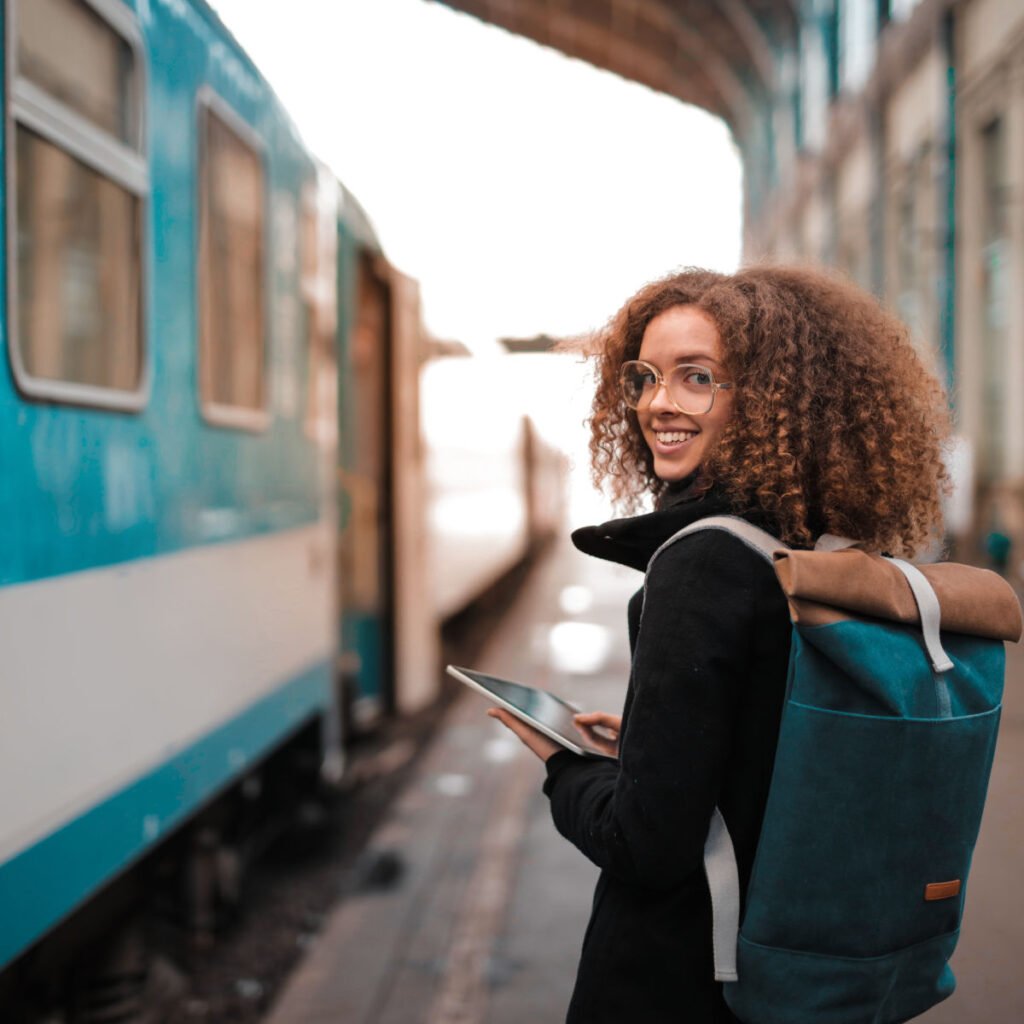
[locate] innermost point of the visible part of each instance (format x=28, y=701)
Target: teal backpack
x=885, y=747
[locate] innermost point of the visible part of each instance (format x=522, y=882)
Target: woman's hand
x=600, y=730
x=536, y=741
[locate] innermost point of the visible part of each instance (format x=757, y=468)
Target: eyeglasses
x=690, y=388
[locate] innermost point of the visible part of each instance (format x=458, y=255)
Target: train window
x=69, y=52
x=78, y=241
x=231, y=270
x=79, y=183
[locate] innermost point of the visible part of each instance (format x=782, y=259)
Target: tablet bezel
x=459, y=673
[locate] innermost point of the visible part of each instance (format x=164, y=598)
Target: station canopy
x=721, y=55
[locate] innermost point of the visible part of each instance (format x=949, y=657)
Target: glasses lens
x=638, y=382
x=692, y=389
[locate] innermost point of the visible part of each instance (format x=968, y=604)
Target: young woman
x=794, y=400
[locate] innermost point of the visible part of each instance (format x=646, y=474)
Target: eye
x=641, y=379
x=697, y=376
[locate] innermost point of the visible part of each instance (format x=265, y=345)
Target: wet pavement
x=479, y=906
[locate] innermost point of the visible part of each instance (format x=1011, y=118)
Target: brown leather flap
x=975, y=601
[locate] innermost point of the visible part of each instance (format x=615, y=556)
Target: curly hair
x=837, y=425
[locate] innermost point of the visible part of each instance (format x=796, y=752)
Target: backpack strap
x=719, y=855
x=753, y=536
x=928, y=609
x=724, y=886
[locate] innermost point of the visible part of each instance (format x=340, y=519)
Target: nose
x=660, y=402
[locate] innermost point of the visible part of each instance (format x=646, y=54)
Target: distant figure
x=793, y=400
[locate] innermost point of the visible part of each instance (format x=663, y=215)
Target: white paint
x=110, y=672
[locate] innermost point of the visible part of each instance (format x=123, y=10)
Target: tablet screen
x=552, y=714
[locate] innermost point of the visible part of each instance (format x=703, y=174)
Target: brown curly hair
x=837, y=426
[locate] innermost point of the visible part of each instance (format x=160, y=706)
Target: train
x=225, y=524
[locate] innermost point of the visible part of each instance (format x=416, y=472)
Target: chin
x=672, y=472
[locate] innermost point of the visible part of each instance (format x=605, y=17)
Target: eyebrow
x=695, y=357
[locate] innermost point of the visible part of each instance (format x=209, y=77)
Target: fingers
x=608, y=747
x=536, y=741
x=602, y=718
x=601, y=729
x=606, y=741
x=510, y=722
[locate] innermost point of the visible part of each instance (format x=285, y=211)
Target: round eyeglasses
x=690, y=388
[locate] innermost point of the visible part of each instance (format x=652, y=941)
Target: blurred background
x=294, y=413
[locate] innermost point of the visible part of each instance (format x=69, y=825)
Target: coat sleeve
x=645, y=818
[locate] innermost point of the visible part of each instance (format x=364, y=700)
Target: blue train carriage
x=388, y=631
x=167, y=593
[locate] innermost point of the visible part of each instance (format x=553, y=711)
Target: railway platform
x=479, y=917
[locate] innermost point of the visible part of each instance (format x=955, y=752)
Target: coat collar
x=634, y=540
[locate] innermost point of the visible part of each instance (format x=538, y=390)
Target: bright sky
x=526, y=191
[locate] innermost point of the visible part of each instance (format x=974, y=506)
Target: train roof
x=352, y=213
x=217, y=24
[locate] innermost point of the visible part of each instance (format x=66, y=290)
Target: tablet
x=544, y=711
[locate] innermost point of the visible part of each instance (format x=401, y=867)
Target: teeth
x=674, y=437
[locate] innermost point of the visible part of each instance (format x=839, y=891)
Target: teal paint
x=41, y=885
x=363, y=632
x=85, y=488
x=829, y=21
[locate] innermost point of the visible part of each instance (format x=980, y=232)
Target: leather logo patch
x=942, y=890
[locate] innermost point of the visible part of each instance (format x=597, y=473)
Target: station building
x=883, y=137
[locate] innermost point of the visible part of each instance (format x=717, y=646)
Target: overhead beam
x=698, y=47
x=671, y=47
x=758, y=45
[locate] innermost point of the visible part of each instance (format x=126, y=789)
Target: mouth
x=668, y=441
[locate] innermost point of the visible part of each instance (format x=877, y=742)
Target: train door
x=417, y=650
x=366, y=528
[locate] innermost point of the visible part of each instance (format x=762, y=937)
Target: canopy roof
x=721, y=55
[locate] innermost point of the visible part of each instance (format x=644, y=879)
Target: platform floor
x=484, y=922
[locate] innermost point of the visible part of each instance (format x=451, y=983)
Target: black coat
x=700, y=726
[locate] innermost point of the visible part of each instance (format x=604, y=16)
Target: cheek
x=715, y=429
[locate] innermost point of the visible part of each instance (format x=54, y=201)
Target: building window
x=916, y=255
x=232, y=293
x=995, y=280
x=857, y=29
x=79, y=184
x=813, y=86
x=900, y=10
x=908, y=263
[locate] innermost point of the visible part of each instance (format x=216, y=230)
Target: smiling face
x=680, y=442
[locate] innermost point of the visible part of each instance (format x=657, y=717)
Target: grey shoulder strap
x=719, y=854
x=929, y=611
x=754, y=537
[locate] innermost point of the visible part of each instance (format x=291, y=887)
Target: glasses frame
x=660, y=382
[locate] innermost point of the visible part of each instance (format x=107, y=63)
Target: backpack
x=885, y=747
